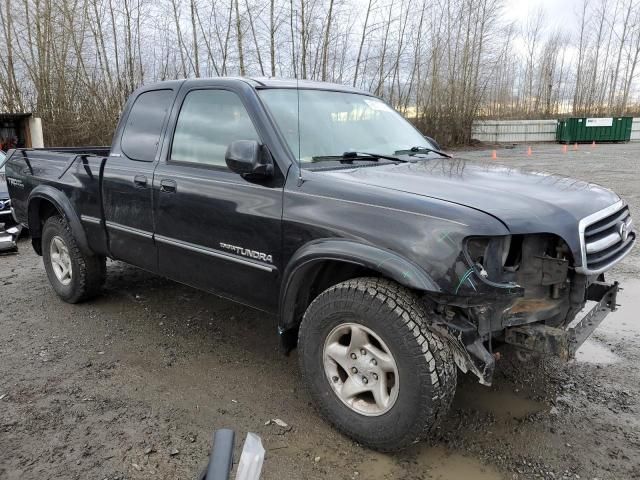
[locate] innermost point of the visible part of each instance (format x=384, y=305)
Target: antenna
x=296, y=56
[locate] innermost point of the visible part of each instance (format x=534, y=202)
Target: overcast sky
x=562, y=14
x=558, y=13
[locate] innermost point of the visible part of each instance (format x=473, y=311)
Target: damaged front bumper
x=560, y=342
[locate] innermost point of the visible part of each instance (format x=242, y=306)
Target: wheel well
x=330, y=273
x=40, y=212
x=316, y=279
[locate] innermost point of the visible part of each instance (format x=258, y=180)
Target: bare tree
x=325, y=44
x=363, y=36
x=442, y=63
x=194, y=32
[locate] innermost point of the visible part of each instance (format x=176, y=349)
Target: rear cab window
x=143, y=130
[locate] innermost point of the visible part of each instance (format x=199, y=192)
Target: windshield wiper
x=349, y=157
x=422, y=150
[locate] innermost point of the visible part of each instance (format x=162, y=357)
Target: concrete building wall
x=35, y=132
x=20, y=130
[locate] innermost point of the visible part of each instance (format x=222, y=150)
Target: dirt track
x=111, y=389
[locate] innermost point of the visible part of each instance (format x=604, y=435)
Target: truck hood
x=526, y=202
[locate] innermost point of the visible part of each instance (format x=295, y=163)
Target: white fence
x=635, y=129
x=517, y=131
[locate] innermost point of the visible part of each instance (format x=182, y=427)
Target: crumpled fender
x=388, y=263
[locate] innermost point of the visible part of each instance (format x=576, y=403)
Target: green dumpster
x=601, y=129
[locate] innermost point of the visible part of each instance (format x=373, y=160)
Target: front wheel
x=74, y=276
x=372, y=365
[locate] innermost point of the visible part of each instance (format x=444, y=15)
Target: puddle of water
x=502, y=404
x=434, y=463
x=594, y=352
x=444, y=464
x=378, y=466
x=625, y=321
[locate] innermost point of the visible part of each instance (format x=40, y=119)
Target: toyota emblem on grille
x=623, y=230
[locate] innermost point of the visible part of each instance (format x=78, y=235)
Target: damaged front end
x=522, y=290
x=564, y=343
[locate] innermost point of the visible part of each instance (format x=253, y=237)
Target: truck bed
x=41, y=160
x=73, y=172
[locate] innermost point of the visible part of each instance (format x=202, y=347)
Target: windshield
x=2, y=156
x=332, y=123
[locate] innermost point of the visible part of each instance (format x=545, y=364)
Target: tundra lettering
x=14, y=182
x=247, y=253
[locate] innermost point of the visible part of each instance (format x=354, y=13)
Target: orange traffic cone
x=575, y=146
x=529, y=151
x=564, y=148
x=593, y=144
x=494, y=155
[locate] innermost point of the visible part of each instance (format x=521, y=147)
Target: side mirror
x=249, y=159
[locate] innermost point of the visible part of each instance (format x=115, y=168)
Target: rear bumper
x=564, y=343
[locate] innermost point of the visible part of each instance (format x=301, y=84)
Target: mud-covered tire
x=425, y=364
x=88, y=271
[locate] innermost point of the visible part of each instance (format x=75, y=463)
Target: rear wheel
x=74, y=276
x=372, y=365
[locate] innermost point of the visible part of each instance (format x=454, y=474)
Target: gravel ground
x=131, y=385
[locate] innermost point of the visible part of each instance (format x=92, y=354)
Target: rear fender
x=46, y=193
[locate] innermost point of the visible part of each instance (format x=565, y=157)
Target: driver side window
x=208, y=122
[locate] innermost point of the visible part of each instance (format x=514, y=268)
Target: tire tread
x=91, y=269
x=411, y=319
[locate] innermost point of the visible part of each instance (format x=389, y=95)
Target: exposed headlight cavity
x=489, y=254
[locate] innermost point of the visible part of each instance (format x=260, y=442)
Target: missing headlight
x=514, y=254
x=489, y=254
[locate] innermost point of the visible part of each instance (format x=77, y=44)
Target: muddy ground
x=131, y=385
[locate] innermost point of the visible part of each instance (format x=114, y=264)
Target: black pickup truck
x=389, y=264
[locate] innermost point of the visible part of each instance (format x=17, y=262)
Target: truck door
x=128, y=177
x=216, y=230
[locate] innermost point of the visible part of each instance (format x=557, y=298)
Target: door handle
x=168, y=186
x=140, y=181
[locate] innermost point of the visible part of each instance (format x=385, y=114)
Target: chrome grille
x=606, y=237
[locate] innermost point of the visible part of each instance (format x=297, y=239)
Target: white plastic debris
x=9, y=239
x=280, y=423
x=251, y=459
x=7, y=242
